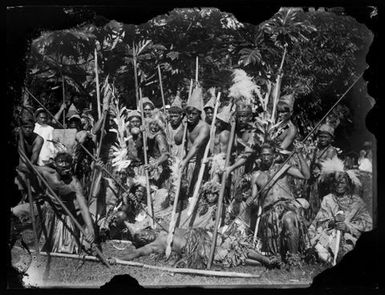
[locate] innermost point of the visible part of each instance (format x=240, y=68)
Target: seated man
x=281, y=228
x=61, y=233
x=340, y=210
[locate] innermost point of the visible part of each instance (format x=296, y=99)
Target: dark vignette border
x=359, y=271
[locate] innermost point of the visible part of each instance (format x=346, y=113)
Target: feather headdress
x=120, y=157
x=334, y=165
x=243, y=87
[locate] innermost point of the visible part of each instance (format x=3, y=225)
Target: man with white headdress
x=198, y=133
x=342, y=214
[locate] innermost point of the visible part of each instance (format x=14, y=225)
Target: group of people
x=123, y=173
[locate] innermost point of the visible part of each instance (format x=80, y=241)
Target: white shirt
x=47, y=150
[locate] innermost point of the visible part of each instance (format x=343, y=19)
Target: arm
x=254, y=191
x=303, y=172
x=56, y=118
x=83, y=206
x=163, y=148
x=98, y=124
x=201, y=139
x=37, y=144
x=288, y=140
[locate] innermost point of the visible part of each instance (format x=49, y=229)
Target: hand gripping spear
x=77, y=224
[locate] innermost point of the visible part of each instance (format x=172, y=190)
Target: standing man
x=322, y=152
x=281, y=227
x=175, y=126
x=288, y=130
x=198, y=133
x=243, y=146
x=45, y=131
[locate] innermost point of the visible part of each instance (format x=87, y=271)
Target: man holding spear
x=198, y=133
x=281, y=227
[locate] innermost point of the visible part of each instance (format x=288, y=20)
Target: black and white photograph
x=190, y=146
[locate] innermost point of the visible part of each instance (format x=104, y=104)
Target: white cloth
x=365, y=165
x=47, y=150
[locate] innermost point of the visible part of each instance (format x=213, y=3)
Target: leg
x=290, y=232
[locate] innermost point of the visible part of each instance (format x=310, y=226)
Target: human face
x=324, y=139
x=243, y=118
x=342, y=183
x=209, y=115
x=63, y=166
x=193, y=115
x=135, y=122
x=147, y=110
x=27, y=130
x=211, y=197
x=42, y=118
x=154, y=127
x=74, y=123
x=283, y=114
x=175, y=119
x=140, y=193
x=267, y=157
x=145, y=237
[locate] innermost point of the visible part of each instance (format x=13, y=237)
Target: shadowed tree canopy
x=324, y=53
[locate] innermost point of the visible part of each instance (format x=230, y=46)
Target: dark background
x=25, y=22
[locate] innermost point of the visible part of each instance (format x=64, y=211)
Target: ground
x=70, y=272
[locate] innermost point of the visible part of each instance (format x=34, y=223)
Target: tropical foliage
x=317, y=55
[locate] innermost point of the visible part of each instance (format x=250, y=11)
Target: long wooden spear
x=149, y=200
x=221, y=194
x=197, y=187
x=189, y=271
x=172, y=225
x=75, y=221
x=161, y=89
x=135, y=74
x=64, y=96
x=277, y=89
x=196, y=69
x=97, y=84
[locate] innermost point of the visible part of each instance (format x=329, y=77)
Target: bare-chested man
x=175, y=126
x=58, y=225
x=31, y=144
x=198, y=133
x=289, y=130
x=280, y=229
